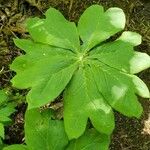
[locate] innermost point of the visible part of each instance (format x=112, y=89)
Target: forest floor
x=130, y=133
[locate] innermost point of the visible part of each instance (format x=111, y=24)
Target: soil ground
x=130, y=133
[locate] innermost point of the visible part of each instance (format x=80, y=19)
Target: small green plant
x=94, y=75
x=6, y=109
x=43, y=133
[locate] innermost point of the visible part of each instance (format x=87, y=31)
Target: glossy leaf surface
x=95, y=76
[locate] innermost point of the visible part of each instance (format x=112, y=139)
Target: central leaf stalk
x=81, y=58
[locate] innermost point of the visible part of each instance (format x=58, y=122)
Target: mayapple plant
x=95, y=76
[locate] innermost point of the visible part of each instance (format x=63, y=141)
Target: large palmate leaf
x=95, y=76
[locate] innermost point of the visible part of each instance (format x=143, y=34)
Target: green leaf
x=1, y=143
x=16, y=147
x=41, y=92
x=131, y=38
x=115, y=62
x=3, y=97
x=40, y=49
x=41, y=72
x=139, y=62
x=95, y=25
x=91, y=140
x=55, y=30
x=37, y=53
x=118, y=89
x=82, y=101
x=120, y=54
x=42, y=133
x=141, y=88
x=95, y=76
x=6, y=111
x=2, y=131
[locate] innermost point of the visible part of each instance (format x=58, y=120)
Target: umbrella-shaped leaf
x=95, y=76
